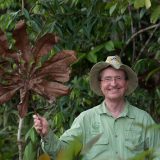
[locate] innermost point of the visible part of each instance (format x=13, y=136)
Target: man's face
x=113, y=83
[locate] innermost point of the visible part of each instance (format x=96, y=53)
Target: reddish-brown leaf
x=25, y=76
x=22, y=42
x=65, y=56
x=58, y=75
x=4, y=51
x=2, y=72
x=13, y=79
x=60, y=61
x=7, y=92
x=51, y=90
x=44, y=45
x=3, y=41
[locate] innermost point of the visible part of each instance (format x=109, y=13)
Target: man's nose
x=113, y=81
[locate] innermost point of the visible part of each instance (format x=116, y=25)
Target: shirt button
x=116, y=152
x=116, y=135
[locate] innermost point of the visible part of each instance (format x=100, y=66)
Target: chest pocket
x=98, y=148
x=134, y=141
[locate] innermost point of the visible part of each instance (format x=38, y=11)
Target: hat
x=115, y=62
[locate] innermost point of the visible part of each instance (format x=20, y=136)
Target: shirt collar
x=127, y=112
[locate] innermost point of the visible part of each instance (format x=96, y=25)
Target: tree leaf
x=155, y=14
x=25, y=74
x=50, y=90
x=109, y=46
x=139, y=3
x=44, y=45
x=6, y=93
x=22, y=42
x=147, y=4
x=30, y=152
x=3, y=42
x=112, y=9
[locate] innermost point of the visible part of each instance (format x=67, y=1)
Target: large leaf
x=22, y=42
x=3, y=42
x=20, y=70
x=155, y=14
x=44, y=45
x=147, y=4
x=29, y=153
x=50, y=90
x=6, y=93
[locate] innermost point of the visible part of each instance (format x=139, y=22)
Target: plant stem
x=19, y=140
x=22, y=6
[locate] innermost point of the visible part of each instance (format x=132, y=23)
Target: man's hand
x=41, y=125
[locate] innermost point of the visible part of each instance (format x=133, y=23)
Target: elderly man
x=125, y=131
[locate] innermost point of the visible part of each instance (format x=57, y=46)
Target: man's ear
x=127, y=84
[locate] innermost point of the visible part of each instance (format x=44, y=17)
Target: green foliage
x=155, y=14
x=6, y=4
x=30, y=151
x=95, y=29
x=142, y=3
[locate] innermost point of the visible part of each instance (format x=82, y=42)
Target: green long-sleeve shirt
x=121, y=138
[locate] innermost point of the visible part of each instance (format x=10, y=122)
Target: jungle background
x=94, y=29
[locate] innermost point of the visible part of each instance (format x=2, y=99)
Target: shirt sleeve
x=54, y=145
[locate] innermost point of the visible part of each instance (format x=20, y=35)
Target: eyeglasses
x=110, y=79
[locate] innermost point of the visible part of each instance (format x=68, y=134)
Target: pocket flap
x=102, y=140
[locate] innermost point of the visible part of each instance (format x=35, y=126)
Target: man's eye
x=108, y=79
x=118, y=78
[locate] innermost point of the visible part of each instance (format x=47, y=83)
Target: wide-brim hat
x=115, y=62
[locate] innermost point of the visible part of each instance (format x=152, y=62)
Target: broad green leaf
x=112, y=9
x=143, y=155
x=91, y=56
x=139, y=3
x=142, y=13
x=147, y=4
x=26, y=14
x=71, y=151
x=158, y=92
x=35, y=26
x=30, y=152
x=109, y=46
x=155, y=14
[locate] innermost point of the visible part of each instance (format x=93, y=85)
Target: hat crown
x=114, y=61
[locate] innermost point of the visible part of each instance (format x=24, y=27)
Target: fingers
x=37, y=123
x=40, y=124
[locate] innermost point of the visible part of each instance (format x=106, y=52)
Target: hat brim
x=97, y=68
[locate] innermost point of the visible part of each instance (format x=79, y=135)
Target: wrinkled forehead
x=110, y=71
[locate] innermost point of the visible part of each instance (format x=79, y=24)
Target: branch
x=22, y=6
x=148, y=40
x=137, y=33
x=19, y=140
x=132, y=30
x=142, y=30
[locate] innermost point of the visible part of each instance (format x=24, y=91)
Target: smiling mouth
x=114, y=89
